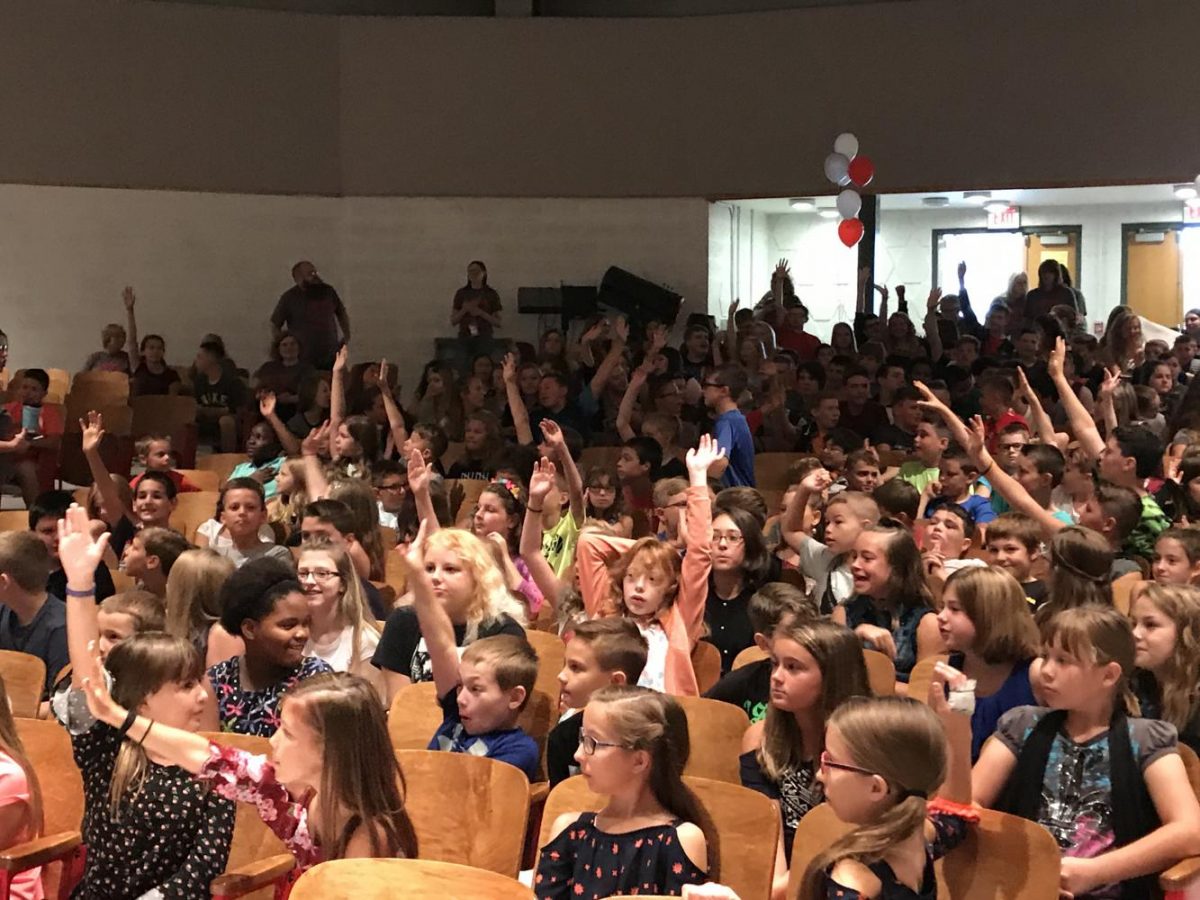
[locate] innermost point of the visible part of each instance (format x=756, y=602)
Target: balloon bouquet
x=845, y=166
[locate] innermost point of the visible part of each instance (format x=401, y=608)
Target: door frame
x=1128, y=228
x=1075, y=231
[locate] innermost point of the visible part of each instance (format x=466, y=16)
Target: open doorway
x=991, y=258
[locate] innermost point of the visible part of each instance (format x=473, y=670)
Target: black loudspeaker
x=640, y=300
x=578, y=302
x=539, y=300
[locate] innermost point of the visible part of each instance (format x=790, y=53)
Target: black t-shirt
x=228, y=392
x=56, y=584
x=560, y=749
x=402, y=649
x=896, y=438
x=471, y=470
x=748, y=688
x=673, y=468
x=1036, y=591
x=729, y=624
x=147, y=383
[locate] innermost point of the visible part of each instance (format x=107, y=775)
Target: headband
x=511, y=486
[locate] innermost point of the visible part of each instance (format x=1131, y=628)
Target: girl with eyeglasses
x=646, y=581
x=737, y=567
x=343, y=632
x=653, y=835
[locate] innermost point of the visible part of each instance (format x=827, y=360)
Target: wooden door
x=1153, y=283
x=1064, y=254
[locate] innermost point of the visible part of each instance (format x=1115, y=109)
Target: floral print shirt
x=255, y=712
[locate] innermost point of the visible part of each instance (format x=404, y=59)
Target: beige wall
x=942, y=93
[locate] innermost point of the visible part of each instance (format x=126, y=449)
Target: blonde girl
x=343, y=633
x=1110, y=788
x=194, y=604
x=20, y=801
x=474, y=596
x=653, y=835
x=1166, y=633
x=883, y=759
x=645, y=581
x=987, y=625
x=815, y=668
x=286, y=508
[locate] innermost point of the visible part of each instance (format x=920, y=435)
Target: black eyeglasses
x=589, y=744
x=828, y=763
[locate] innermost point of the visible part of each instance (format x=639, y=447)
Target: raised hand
x=317, y=440
x=594, y=332
x=816, y=481
x=1112, y=377
x=339, y=361
x=266, y=404
x=553, y=436
x=1057, y=356
x=962, y=271
x=93, y=431
x=658, y=340
x=701, y=457
x=96, y=690
x=412, y=559
x=383, y=375
x=929, y=400
x=782, y=268
x=78, y=552
x=978, y=437
x=508, y=368
x=621, y=329
x=541, y=481
x=733, y=306
x=128, y=298
x=420, y=473
x=931, y=301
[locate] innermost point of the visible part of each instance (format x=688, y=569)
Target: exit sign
x=1007, y=219
x=1191, y=212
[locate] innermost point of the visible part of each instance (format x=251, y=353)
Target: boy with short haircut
x=898, y=501
x=220, y=394
x=390, y=481
x=31, y=621
x=826, y=411
x=431, y=441
x=749, y=687
x=482, y=696
x=44, y=515
x=243, y=514
x=155, y=455
x=839, y=444
x=1014, y=542
x=636, y=467
x=995, y=400
x=862, y=471
x=123, y=615
x=945, y=541
x=669, y=496
x=931, y=440
x=43, y=426
x=563, y=509
x=149, y=556
x=846, y=516
x=956, y=475
x=1114, y=511
x=901, y=433
x=599, y=652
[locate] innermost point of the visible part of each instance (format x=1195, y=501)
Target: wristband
x=988, y=469
x=146, y=733
x=90, y=592
x=130, y=718
x=532, y=510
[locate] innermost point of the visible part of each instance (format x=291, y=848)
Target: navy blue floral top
x=861, y=610
x=949, y=831
x=255, y=712
x=587, y=863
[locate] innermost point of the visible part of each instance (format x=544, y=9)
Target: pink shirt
x=14, y=788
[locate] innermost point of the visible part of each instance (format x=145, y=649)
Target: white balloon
x=846, y=144
x=849, y=203
x=837, y=168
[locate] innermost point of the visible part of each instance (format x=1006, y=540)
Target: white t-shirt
x=654, y=675
x=336, y=649
x=816, y=562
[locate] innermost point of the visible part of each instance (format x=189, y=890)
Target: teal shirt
x=246, y=469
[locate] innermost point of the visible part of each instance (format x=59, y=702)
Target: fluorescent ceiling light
x=977, y=197
x=936, y=201
x=996, y=206
x=1185, y=191
x=828, y=213
x=803, y=204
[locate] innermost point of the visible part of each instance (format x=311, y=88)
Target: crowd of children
x=983, y=505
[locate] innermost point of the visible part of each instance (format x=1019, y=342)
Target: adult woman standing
x=476, y=306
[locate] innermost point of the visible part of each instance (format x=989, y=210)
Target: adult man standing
x=721, y=390
x=312, y=311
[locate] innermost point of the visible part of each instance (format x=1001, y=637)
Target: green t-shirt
x=915, y=473
x=558, y=544
x=1152, y=523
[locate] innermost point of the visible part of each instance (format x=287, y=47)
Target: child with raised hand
x=1177, y=556
x=153, y=499
x=599, y=652
x=1111, y=789
x=151, y=831
x=892, y=610
x=846, y=515
x=884, y=758
x=815, y=667
x=988, y=627
x=268, y=445
x=652, y=835
x=560, y=522
x=645, y=581
x=150, y=373
x=482, y=695
x=1166, y=631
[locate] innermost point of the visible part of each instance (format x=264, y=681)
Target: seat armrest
x=39, y=852
x=251, y=877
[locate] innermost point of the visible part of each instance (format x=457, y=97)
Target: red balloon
x=861, y=170
x=850, y=231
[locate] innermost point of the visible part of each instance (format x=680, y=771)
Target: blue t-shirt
x=1015, y=691
x=978, y=508
x=512, y=745
x=733, y=434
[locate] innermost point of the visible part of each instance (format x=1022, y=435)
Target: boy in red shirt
x=43, y=425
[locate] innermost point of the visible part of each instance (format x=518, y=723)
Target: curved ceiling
x=540, y=8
